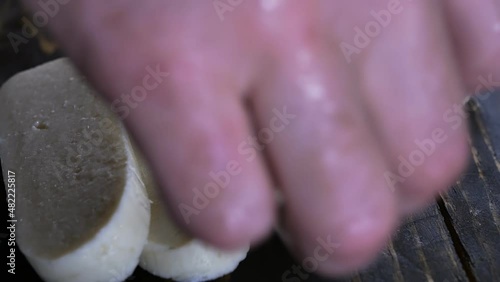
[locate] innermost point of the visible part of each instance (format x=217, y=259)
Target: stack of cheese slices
x=86, y=205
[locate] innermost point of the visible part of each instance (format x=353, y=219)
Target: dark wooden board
x=488, y=109
x=421, y=251
x=474, y=202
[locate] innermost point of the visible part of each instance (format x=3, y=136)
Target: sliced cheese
x=82, y=210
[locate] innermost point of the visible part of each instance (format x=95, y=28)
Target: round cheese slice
x=81, y=208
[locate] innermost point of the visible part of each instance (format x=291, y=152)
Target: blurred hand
x=351, y=108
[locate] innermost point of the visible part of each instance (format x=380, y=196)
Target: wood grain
x=421, y=251
x=474, y=202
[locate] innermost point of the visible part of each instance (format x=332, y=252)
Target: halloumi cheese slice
x=81, y=207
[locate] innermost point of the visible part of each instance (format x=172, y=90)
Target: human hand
x=341, y=113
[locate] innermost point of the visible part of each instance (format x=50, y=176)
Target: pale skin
x=353, y=120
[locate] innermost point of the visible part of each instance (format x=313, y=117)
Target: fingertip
x=337, y=246
x=436, y=175
x=348, y=247
x=231, y=221
x=362, y=243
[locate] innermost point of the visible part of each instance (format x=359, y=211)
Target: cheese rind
x=81, y=207
x=193, y=262
x=113, y=253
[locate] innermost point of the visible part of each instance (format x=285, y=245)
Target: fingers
x=336, y=142
x=327, y=161
x=193, y=134
x=181, y=105
x=475, y=27
x=191, y=125
x=414, y=90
